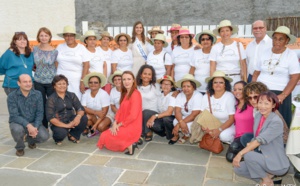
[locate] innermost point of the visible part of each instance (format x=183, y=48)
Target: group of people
x=147, y=85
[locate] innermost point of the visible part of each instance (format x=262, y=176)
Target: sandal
x=92, y=133
x=148, y=137
x=140, y=141
x=72, y=139
x=183, y=139
x=59, y=143
x=86, y=131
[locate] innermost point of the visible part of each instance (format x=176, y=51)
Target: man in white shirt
x=261, y=42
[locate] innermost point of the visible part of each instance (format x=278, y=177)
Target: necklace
x=271, y=67
x=24, y=64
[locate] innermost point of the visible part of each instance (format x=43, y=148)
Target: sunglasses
x=94, y=82
x=252, y=98
x=186, y=107
x=205, y=39
x=16, y=33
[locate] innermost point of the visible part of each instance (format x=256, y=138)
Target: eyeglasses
x=219, y=82
x=16, y=33
x=281, y=40
x=258, y=28
x=252, y=98
x=186, y=107
x=184, y=37
x=94, y=82
x=205, y=39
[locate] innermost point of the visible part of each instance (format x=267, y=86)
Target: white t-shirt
x=107, y=57
x=158, y=62
x=227, y=57
x=96, y=61
x=124, y=60
x=254, y=50
x=182, y=58
x=282, y=66
x=194, y=103
x=202, y=68
x=98, y=102
x=221, y=107
x=70, y=63
x=150, y=47
x=115, y=97
x=150, y=96
x=165, y=101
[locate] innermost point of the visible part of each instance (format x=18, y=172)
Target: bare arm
x=168, y=69
x=192, y=70
x=244, y=70
x=255, y=75
x=250, y=146
x=213, y=65
x=113, y=67
x=105, y=69
x=289, y=87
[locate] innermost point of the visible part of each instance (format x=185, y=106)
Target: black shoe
x=141, y=141
x=133, y=148
x=171, y=142
x=20, y=152
x=32, y=146
x=277, y=180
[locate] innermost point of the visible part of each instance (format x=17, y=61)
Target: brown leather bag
x=211, y=144
x=208, y=142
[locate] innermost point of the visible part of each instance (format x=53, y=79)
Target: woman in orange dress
x=127, y=128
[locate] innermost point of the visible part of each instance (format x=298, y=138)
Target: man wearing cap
x=254, y=49
x=26, y=110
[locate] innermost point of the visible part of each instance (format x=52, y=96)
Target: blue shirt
x=23, y=110
x=12, y=66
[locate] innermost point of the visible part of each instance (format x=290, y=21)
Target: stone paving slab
x=20, y=163
x=14, y=177
x=97, y=160
x=215, y=182
x=86, y=175
x=220, y=173
x=29, y=153
x=133, y=177
x=58, y=162
x=175, y=174
x=5, y=148
x=175, y=153
x=6, y=159
x=131, y=164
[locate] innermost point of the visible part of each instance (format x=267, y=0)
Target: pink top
x=243, y=121
x=261, y=123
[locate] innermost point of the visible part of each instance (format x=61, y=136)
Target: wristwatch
x=156, y=116
x=220, y=129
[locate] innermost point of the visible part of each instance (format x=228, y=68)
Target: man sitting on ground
x=25, y=107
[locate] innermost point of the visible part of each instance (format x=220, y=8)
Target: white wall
x=30, y=15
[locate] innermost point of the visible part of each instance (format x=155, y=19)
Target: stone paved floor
x=154, y=163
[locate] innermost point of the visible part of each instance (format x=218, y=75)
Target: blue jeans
x=246, y=138
x=18, y=131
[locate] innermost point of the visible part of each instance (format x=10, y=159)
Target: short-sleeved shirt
x=96, y=61
x=165, y=101
x=107, y=57
x=101, y=100
x=158, y=62
x=150, y=94
x=275, y=69
x=182, y=58
x=124, y=60
x=193, y=104
x=221, y=107
x=227, y=57
x=202, y=68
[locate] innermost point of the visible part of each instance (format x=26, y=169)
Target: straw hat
x=188, y=77
x=160, y=37
x=111, y=77
x=184, y=31
x=123, y=34
x=166, y=77
x=88, y=34
x=284, y=30
x=208, y=32
x=174, y=27
x=225, y=23
x=218, y=74
x=106, y=34
x=155, y=29
x=97, y=74
x=69, y=30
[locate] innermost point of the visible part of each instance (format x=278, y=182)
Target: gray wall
x=185, y=12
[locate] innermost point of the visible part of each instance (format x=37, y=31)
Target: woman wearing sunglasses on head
x=187, y=107
x=17, y=60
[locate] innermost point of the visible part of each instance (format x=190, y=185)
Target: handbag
x=208, y=142
x=243, y=76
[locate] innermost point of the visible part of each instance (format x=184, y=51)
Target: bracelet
x=284, y=94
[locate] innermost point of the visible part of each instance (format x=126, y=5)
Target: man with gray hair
x=260, y=43
x=25, y=107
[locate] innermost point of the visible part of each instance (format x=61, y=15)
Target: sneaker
x=20, y=152
x=32, y=146
x=90, y=134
